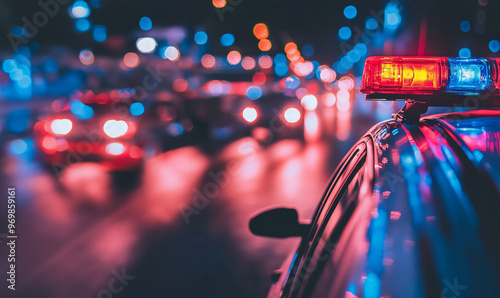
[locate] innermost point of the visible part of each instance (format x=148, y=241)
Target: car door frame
x=342, y=175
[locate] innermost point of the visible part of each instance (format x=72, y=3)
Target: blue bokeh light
x=18, y=147
x=345, y=33
x=494, y=46
x=292, y=82
x=350, y=12
x=18, y=31
x=308, y=50
x=361, y=49
x=82, y=25
x=371, y=23
x=17, y=121
x=280, y=58
x=175, y=129
x=81, y=110
x=137, y=109
x=254, y=92
x=79, y=10
x=464, y=53
x=281, y=69
x=100, y=33
x=200, y=37
x=9, y=65
x=227, y=40
x=145, y=23
x=465, y=26
x=392, y=17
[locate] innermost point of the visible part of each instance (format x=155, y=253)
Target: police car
x=413, y=210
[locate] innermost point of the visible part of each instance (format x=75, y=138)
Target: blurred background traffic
x=141, y=136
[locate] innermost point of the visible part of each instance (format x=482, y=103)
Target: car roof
x=478, y=133
x=438, y=183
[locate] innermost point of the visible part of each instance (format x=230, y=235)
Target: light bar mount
x=411, y=112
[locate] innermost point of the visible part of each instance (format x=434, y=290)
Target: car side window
x=337, y=212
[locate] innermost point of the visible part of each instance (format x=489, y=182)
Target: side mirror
x=278, y=223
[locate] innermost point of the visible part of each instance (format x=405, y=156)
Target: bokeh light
x=328, y=99
x=172, y=53
x=350, y=12
x=309, y=102
x=248, y=63
x=465, y=26
x=100, y=33
x=371, y=23
x=249, y=114
x=137, y=109
x=115, y=128
x=265, y=45
x=290, y=47
x=131, y=59
x=201, y=37
x=326, y=74
x=234, y=57
x=259, y=78
x=281, y=69
x=82, y=25
x=180, y=85
x=464, y=53
x=292, y=115
x=146, y=44
x=18, y=146
x=86, y=57
x=219, y=3
x=308, y=50
x=254, y=92
x=227, y=40
x=175, y=129
x=145, y=23
x=61, y=126
x=292, y=82
x=266, y=62
x=345, y=33
x=494, y=46
x=115, y=148
x=208, y=61
x=261, y=31
x=79, y=10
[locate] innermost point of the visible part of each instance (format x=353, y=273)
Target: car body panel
x=429, y=226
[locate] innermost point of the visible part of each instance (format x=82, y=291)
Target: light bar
x=404, y=76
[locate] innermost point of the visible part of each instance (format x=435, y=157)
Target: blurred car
x=99, y=128
x=273, y=117
x=412, y=209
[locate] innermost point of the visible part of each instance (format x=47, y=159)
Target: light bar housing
x=434, y=80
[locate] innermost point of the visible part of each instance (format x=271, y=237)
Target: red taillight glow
x=292, y=115
x=61, y=127
x=115, y=128
x=115, y=148
x=249, y=114
x=413, y=75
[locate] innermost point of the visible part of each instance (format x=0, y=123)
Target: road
x=178, y=228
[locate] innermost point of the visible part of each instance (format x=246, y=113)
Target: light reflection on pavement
x=180, y=227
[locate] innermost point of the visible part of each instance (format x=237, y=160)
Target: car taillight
x=115, y=128
x=61, y=127
x=115, y=148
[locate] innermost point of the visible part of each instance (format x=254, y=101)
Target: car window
x=331, y=219
x=338, y=253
